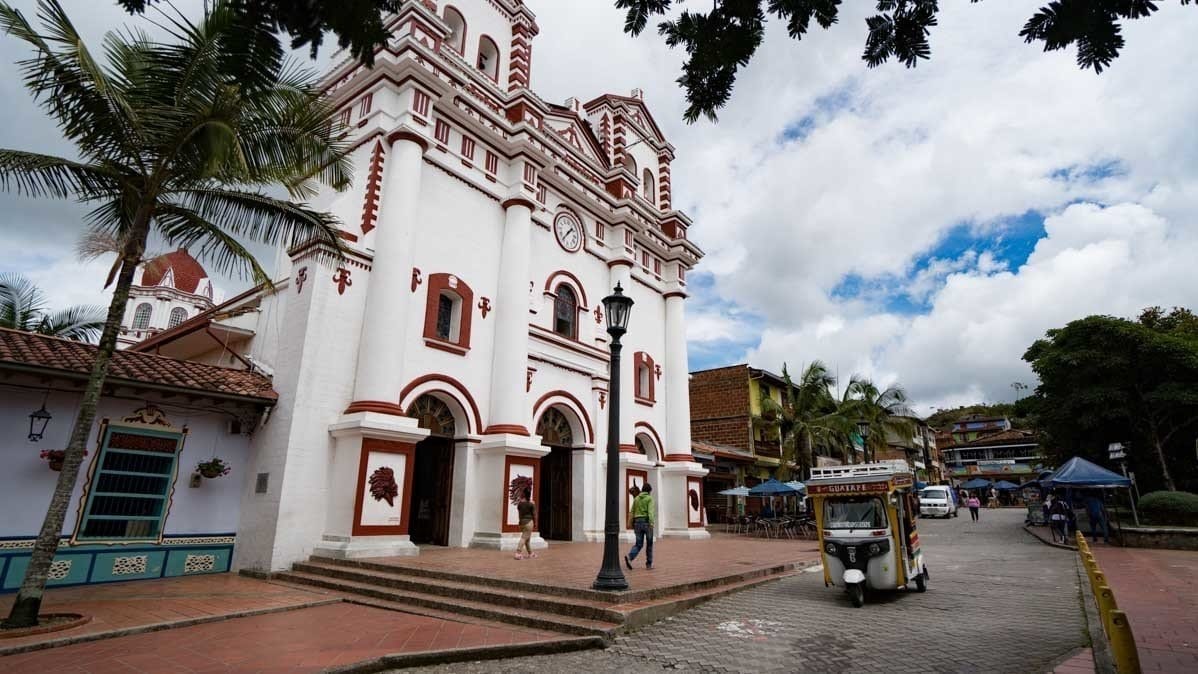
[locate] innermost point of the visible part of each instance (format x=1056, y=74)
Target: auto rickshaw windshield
x=855, y=513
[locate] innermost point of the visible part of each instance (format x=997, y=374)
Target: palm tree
x=23, y=306
x=181, y=137
x=885, y=410
x=807, y=419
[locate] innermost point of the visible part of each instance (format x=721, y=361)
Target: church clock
x=568, y=232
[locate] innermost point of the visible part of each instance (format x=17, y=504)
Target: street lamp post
x=863, y=431
x=611, y=577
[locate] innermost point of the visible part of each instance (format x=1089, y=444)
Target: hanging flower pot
x=55, y=458
x=213, y=468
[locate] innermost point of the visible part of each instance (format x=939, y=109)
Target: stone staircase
x=445, y=594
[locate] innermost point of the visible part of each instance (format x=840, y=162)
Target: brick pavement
x=998, y=601
x=574, y=565
x=303, y=640
x=1158, y=589
x=137, y=604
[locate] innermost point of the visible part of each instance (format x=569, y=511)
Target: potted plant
x=55, y=457
x=213, y=468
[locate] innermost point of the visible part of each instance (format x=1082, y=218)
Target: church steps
x=414, y=601
x=465, y=588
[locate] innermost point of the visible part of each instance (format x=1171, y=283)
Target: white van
x=937, y=501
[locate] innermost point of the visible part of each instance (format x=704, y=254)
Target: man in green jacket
x=642, y=525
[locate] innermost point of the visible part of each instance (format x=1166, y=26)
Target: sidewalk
x=1158, y=589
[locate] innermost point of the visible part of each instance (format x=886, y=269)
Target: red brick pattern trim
x=581, y=410
x=457, y=387
x=374, y=182
x=508, y=462
x=391, y=447
x=663, y=182
x=520, y=60
x=378, y=406
x=449, y=283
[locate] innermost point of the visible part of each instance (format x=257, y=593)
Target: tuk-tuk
x=865, y=515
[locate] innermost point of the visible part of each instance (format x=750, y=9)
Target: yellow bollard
x=1106, y=603
x=1097, y=580
x=1123, y=644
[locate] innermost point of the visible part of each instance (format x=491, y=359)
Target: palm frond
x=42, y=175
x=21, y=302
x=80, y=323
x=259, y=217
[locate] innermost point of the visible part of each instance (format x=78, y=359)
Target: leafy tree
x=1105, y=379
x=723, y=40
x=886, y=411
x=358, y=24
x=807, y=418
x=180, y=138
x=23, y=306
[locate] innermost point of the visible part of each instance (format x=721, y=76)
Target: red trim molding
x=642, y=395
x=645, y=426
x=451, y=383
x=377, y=406
x=582, y=294
x=628, y=449
x=434, y=343
x=568, y=396
x=675, y=293
x=404, y=134
x=518, y=201
x=679, y=457
x=454, y=285
x=617, y=263
x=509, y=429
x=390, y=447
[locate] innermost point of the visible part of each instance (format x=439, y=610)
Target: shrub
x=1178, y=508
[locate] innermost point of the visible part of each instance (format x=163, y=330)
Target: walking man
x=642, y=526
x=1096, y=513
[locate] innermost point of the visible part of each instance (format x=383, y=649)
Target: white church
x=462, y=342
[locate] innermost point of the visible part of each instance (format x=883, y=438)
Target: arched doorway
x=432, y=472
x=555, y=491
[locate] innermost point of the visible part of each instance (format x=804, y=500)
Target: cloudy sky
x=921, y=226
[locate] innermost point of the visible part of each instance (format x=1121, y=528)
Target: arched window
x=488, y=57
x=457, y=30
x=141, y=316
x=629, y=163
x=565, y=312
x=432, y=413
x=178, y=315
x=554, y=429
x=647, y=185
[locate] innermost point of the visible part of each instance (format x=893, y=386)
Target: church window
x=448, y=314
x=442, y=131
x=630, y=163
x=467, y=147
x=554, y=429
x=178, y=315
x=364, y=107
x=488, y=58
x=141, y=316
x=457, y=30
x=565, y=312
x=432, y=413
x=644, y=381
x=647, y=185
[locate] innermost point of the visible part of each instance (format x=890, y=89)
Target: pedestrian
x=993, y=498
x=964, y=496
x=1096, y=512
x=526, y=509
x=642, y=526
x=974, y=504
x=1058, y=518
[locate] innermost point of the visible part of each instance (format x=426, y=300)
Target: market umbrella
x=797, y=485
x=772, y=487
x=1003, y=485
x=736, y=491
x=976, y=483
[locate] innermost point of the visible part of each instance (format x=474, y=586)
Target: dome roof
x=183, y=269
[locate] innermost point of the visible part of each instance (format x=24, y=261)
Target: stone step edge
x=533, y=601
x=626, y=597
x=647, y=615
x=548, y=622
x=427, y=658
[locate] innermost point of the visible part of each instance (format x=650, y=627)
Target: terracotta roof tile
x=39, y=351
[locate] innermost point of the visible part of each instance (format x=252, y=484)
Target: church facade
x=458, y=351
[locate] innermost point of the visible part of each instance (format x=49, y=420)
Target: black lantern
x=38, y=421
x=863, y=431
x=618, y=307
x=610, y=577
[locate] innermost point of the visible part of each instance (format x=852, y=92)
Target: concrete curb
x=1104, y=662
x=423, y=658
x=157, y=627
x=1036, y=536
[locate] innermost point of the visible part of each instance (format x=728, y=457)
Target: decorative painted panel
x=694, y=502
x=525, y=470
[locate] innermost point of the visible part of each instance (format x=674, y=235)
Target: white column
x=621, y=274
x=678, y=405
x=384, y=326
x=509, y=367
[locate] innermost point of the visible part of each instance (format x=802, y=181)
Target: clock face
x=568, y=232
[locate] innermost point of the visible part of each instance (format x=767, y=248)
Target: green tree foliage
x=23, y=306
x=358, y=24
x=1178, y=508
x=1019, y=414
x=808, y=419
x=180, y=137
x=1105, y=379
x=721, y=41
x=885, y=410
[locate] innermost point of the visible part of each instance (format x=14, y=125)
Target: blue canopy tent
x=735, y=491
x=976, y=483
x=1080, y=473
x=1003, y=485
x=772, y=487
x=797, y=485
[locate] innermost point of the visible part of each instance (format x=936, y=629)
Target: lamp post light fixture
x=38, y=421
x=617, y=306
x=863, y=431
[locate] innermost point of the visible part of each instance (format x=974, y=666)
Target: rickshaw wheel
x=921, y=582
x=857, y=594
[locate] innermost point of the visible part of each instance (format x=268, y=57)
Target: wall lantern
x=38, y=421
